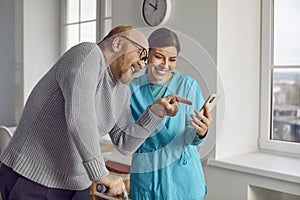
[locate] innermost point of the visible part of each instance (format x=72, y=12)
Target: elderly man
x=54, y=153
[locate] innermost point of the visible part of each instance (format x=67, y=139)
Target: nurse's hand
x=114, y=183
x=201, y=121
x=168, y=105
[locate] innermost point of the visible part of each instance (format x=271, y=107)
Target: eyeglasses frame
x=143, y=58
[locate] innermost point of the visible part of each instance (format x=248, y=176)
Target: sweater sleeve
x=128, y=136
x=77, y=77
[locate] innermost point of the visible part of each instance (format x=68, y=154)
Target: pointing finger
x=183, y=100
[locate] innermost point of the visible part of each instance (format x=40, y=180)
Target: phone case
x=211, y=102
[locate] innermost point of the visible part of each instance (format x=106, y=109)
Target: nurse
x=167, y=165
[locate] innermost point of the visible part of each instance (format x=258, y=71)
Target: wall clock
x=156, y=12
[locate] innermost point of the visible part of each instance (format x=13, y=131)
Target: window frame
x=266, y=112
x=103, y=21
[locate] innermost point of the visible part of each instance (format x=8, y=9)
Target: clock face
x=156, y=12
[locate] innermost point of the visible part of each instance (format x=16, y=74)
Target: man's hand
x=114, y=183
x=168, y=105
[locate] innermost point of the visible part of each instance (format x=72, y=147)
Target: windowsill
x=257, y=163
x=262, y=164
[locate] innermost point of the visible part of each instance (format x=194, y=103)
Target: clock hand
x=153, y=6
x=156, y=4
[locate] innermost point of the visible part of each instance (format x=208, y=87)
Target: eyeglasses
x=143, y=54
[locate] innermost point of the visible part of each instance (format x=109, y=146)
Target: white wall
x=239, y=65
x=7, y=56
x=30, y=44
x=200, y=15
x=41, y=39
x=226, y=184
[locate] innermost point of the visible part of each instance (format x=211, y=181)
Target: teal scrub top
x=167, y=165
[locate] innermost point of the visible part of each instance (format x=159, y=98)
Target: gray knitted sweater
x=78, y=100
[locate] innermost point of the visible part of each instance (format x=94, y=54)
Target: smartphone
x=211, y=101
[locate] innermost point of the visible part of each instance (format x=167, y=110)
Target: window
x=280, y=76
x=85, y=21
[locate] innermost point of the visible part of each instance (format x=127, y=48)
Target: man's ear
x=117, y=44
